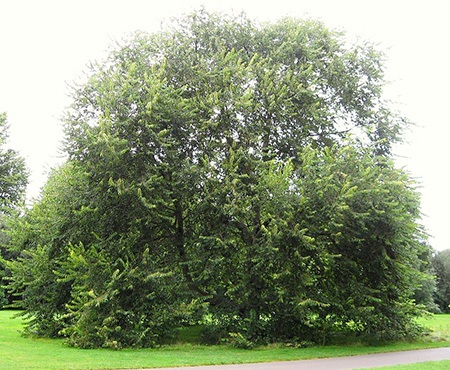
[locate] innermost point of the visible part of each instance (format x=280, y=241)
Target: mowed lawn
x=435, y=365
x=18, y=352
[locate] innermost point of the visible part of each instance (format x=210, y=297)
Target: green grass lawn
x=18, y=352
x=434, y=365
x=439, y=326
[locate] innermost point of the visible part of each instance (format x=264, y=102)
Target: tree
x=425, y=294
x=13, y=179
x=441, y=266
x=13, y=182
x=215, y=171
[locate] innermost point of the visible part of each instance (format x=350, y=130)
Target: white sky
x=46, y=44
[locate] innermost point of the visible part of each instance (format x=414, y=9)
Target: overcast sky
x=45, y=44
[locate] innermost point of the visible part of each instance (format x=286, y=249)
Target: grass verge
x=18, y=352
x=432, y=365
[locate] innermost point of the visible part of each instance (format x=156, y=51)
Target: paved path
x=339, y=363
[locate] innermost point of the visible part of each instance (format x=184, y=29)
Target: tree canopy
x=229, y=172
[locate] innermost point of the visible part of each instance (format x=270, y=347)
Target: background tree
x=212, y=171
x=13, y=182
x=441, y=266
x=425, y=294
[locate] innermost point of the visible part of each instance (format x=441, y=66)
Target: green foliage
x=425, y=293
x=13, y=174
x=41, y=238
x=13, y=182
x=118, y=305
x=441, y=266
x=362, y=212
x=212, y=175
x=90, y=294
